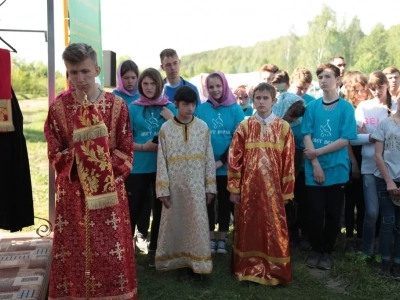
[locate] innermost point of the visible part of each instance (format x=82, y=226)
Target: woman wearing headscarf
x=127, y=80
x=222, y=115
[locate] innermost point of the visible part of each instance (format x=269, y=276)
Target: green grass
x=35, y=112
x=347, y=280
x=25, y=96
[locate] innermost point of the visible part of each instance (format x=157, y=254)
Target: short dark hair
x=186, y=94
x=281, y=77
x=263, y=86
x=330, y=66
x=154, y=75
x=390, y=70
x=297, y=109
x=129, y=65
x=76, y=53
x=167, y=53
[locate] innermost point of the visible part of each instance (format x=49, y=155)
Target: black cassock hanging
x=16, y=202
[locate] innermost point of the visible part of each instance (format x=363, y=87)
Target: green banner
x=85, y=26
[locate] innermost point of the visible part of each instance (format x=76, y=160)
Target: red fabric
x=112, y=263
x=5, y=74
x=93, y=157
x=261, y=170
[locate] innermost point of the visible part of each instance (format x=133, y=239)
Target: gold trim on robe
x=261, y=170
x=185, y=173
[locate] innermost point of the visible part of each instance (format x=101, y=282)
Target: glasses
x=341, y=65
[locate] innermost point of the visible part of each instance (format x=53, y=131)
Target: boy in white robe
x=185, y=184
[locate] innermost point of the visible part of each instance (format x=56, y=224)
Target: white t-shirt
x=368, y=115
x=389, y=133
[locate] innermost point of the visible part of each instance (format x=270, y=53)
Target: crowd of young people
x=250, y=155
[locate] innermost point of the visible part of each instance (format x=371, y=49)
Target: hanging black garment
x=16, y=202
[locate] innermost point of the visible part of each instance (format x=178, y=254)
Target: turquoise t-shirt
x=128, y=99
x=298, y=136
x=170, y=91
x=325, y=127
x=222, y=122
x=248, y=111
x=146, y=122
x=308, y=98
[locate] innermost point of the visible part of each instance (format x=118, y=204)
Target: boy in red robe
x=261, y=182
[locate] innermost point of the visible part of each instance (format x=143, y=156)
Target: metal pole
x=51, y=80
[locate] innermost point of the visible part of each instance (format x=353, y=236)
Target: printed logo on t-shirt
x=392, y=142
x=371, y=121
x=218, y=122
x=326, y=129
x=152, y=122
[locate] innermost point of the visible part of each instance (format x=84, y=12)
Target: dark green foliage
x=325, y=38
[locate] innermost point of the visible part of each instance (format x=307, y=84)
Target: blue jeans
x=371, y=213
x=390, y=224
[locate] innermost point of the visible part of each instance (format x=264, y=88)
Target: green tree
x=352, y=37
x=371, y=53
x=320, y=38
x=392, y=46
x=291, y=50
x=30, y=78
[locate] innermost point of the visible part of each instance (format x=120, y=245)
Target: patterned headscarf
x=283, y=103
x=227, y=98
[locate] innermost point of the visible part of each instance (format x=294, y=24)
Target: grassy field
x=35, y=112
x=347, y=280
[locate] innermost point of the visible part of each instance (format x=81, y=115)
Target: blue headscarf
x=284, y=102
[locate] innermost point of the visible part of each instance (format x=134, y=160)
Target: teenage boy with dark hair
x=171, y=65
x=267, y=72
x=281, y=82
x=393, y=76
x=328, y=125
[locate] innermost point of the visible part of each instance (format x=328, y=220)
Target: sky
x=141, y=29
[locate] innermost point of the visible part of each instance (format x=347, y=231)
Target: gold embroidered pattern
x=6, y=121
x=234, y=175
x=183, y=254
x=272, y=282
x=186, y=158
x=281, y=260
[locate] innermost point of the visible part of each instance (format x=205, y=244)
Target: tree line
x=326, y=37
x=29, y=79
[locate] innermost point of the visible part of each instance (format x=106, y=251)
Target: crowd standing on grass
x=286, y=168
